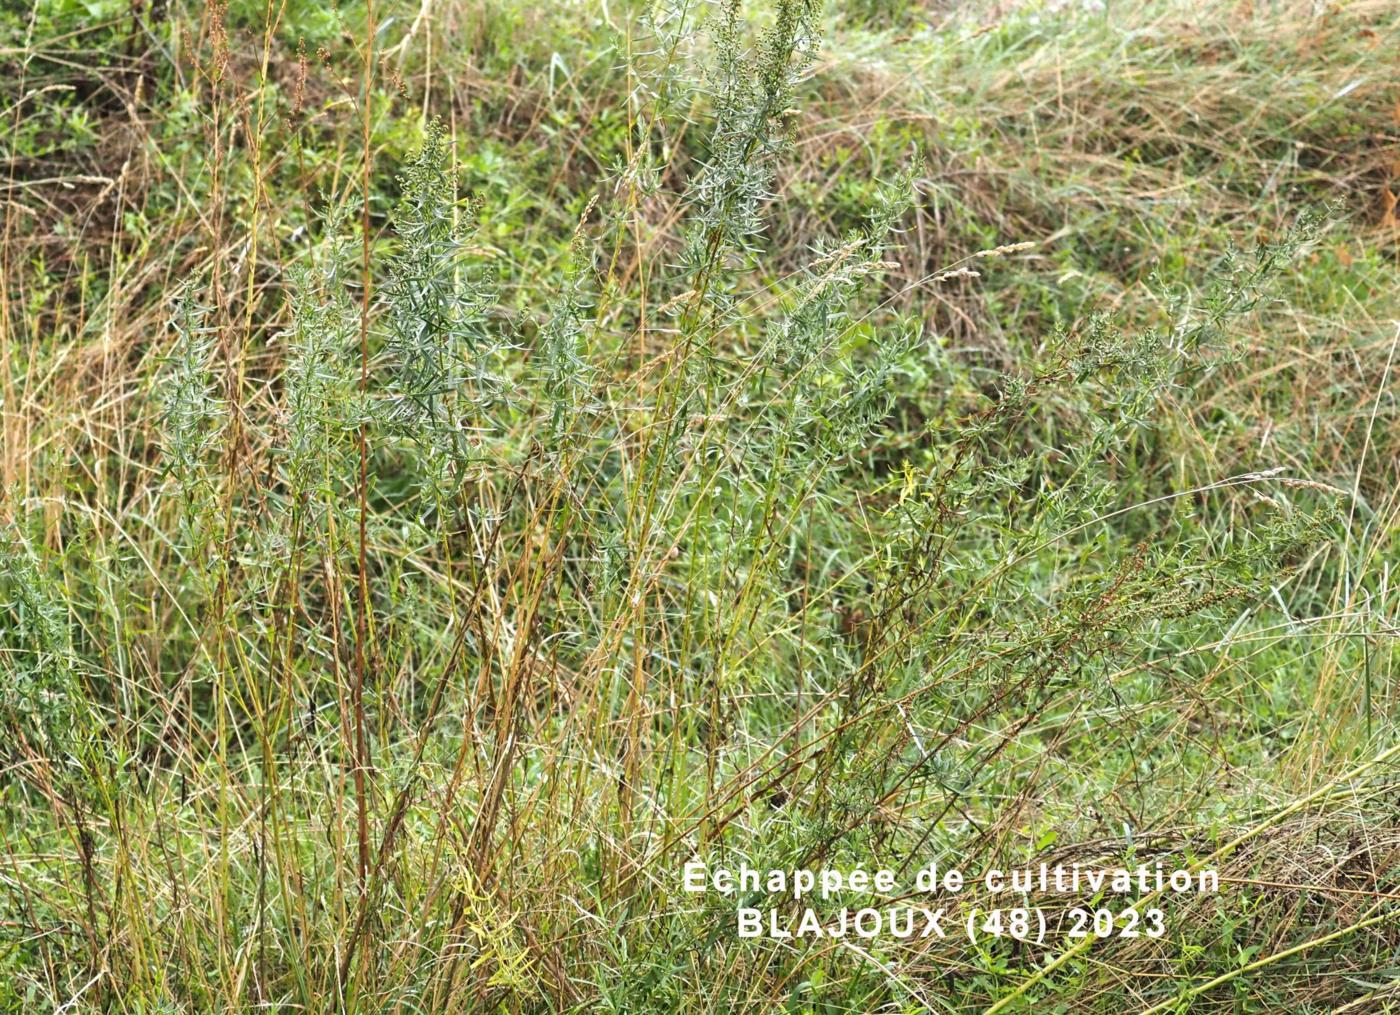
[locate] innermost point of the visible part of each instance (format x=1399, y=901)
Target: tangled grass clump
x=385, y=631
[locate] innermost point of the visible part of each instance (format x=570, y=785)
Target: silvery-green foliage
x=192, y=414
x=565, y=372
x=840, y=391
x=1239, y=283
x=662, y=94
x=319, y=384
x=752, y=94
x=445, y=387
x=39, y=697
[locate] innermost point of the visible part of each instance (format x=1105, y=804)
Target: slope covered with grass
x=461, y=461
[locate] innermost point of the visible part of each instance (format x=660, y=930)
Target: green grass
x=462, y=460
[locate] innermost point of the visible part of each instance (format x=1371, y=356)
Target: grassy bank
x=461, y=461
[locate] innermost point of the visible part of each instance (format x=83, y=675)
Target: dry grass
x=422, y=713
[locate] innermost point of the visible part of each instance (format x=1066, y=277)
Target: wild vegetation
x=463, y=459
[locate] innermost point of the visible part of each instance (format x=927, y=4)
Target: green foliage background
x=462, y=459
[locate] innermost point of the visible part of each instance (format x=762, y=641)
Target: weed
x=804, y=437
